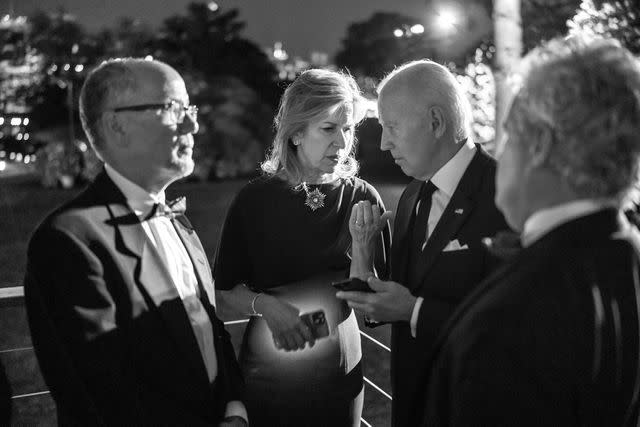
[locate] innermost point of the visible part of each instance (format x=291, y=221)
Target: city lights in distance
x=3, y=165
x=417, y=29
x=24, y=122
x=213, y=6
x=66, y=67
x=79, y=68
x=398, y=32
x=148, y=58
x=1, y=120
x=279, y=53
x=15, y=121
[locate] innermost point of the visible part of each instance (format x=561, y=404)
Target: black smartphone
x=353, y=284
x=317, y=322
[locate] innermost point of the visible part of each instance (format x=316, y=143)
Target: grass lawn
x=23, y=204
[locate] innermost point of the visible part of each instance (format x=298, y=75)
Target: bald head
x=118, y=82
x=424, y=84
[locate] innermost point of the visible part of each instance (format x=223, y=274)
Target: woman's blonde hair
x=309, y=98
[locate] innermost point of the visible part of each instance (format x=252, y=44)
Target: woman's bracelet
x=253, y=306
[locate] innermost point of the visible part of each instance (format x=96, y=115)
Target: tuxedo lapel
x=198, y=258
x=401, y=231
x=457, y=211
x=152, y=278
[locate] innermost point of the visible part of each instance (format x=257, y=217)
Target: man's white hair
x=585, y=93
x=428, y=78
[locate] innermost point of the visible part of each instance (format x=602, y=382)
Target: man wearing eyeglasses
x=118, y=289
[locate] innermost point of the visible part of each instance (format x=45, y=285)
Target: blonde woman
x=285, y=240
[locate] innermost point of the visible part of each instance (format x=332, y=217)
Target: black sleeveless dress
x=274, y=243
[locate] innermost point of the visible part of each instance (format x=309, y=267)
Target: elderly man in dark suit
x=118, y=290
x=552, y=338
x=437, y=255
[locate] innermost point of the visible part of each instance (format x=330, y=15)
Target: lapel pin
x=459, y=211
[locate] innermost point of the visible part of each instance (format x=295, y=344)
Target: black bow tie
x=174, y=208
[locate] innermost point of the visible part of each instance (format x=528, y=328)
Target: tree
x=210, y=42
x=233, y=82
x=616, y=19
x=370, y=48
x=543, y=20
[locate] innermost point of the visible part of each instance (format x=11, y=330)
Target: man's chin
x=183, y=167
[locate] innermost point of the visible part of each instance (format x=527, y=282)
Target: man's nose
x=189, y=124
x=385, y=143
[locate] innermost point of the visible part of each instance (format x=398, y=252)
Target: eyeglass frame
x=192, y=110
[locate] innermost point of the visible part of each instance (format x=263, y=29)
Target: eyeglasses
x=177, y=109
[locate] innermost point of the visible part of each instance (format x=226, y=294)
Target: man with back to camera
x=118, y=289
x=437, y=256
x=552, y=338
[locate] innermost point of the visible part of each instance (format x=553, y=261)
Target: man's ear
x=437, y=123
x=113, y=127
x=541, y=146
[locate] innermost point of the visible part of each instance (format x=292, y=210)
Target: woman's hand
x=365, y=223
x=288, y=330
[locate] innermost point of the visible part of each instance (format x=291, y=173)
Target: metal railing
x=18, y=292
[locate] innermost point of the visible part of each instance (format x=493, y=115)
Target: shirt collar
x=449, y=175
x=139, y=199
x=545, y=220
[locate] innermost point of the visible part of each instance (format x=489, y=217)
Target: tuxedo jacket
x=111, y=334
x=443, y=278
x=551, y=339
x=5, y=398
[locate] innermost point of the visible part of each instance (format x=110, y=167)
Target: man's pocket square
x=454, y=245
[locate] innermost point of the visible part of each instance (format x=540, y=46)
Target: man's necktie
x=419, y=232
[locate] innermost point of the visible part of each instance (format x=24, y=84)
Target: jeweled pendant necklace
x=315, y=198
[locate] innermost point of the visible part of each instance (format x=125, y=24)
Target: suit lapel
x=401, y=235
x=198, y=258
x=455, y=214
x=153, y=279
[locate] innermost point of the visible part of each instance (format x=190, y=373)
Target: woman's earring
x=296, y=142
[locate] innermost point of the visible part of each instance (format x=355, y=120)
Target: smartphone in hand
x=317, y=323
x=352, y=284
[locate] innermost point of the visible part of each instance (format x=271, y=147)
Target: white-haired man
x=437, y=256
x=553, y=338
x=118, y=290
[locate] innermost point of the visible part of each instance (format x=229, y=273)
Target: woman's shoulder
x=261, y=186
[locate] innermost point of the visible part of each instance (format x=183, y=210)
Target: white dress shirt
x=545, y=220
x=446, y=179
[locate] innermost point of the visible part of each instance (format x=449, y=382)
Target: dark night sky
x=303, y=25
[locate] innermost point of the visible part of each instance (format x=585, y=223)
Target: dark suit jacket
x=5, y=398
x=549, y=340
x=443, y=279
x=110, y=331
